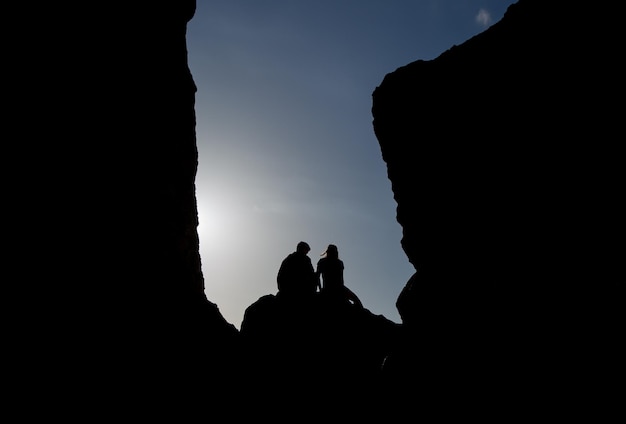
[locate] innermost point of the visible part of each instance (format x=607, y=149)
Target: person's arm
x=341, y=275
x=279, y=276
x=318, y=275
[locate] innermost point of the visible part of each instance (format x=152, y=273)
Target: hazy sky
x=286, y=146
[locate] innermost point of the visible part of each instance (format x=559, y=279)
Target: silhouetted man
x=296, y=276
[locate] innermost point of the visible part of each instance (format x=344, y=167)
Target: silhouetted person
x=330, y=270
x=296, y=276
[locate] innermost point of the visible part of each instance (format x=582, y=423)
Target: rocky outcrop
x=506, y=165
x=118, y=319
x=315, y=347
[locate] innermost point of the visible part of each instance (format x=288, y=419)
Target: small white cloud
x=483, y=17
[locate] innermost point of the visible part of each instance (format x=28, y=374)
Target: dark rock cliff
x=506, y=162
x=118, y=318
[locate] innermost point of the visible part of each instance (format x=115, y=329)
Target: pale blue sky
x=286, y=146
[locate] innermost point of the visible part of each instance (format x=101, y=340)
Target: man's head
x=303, y=247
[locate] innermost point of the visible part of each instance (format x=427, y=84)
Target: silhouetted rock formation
x=319, y=354
x=123, y=318
x=505, y=163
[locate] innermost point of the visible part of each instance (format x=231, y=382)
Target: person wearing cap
x=330, y=271
x=296, y=276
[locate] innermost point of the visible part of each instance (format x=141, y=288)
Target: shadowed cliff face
x=501, y=152
x=122, y=315
x=505, y=163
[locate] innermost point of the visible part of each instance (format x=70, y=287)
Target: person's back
x=296, y=275
x=330, y=270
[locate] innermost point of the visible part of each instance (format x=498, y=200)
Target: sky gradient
x=286, y=145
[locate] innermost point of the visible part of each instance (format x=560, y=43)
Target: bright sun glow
x=213, y=224
x=219, y=223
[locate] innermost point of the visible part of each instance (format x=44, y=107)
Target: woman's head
x=331, y=251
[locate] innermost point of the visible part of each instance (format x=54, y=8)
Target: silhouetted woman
x=330, y=270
